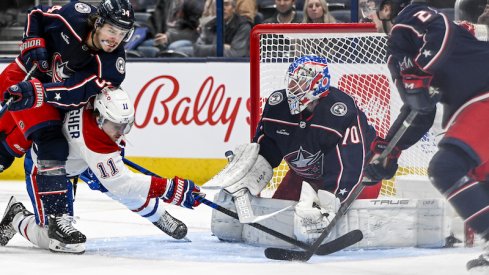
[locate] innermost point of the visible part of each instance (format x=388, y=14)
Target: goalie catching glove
x=377, y=171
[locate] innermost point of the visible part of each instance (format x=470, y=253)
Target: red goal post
x=356, y=54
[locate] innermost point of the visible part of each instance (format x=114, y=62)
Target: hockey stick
x=293, y=255
x=340, y=243
x=9, y=102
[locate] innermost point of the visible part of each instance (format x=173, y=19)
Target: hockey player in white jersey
x=95, y=134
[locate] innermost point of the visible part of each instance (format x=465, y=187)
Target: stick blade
x=340, y=243
x=333, y=246
x=286, y=254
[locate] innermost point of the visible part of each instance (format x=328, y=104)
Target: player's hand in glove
x=181, y=192
x=25, y=95
x=377, y=171
x=416, y=92
x=33, y=52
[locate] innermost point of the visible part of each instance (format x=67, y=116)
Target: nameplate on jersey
x=74, y=123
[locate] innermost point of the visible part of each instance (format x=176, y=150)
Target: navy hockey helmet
x=469, y=10
x=307, y=80
x=118, y=13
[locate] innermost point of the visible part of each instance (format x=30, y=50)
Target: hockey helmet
x=397, y=6
x=469, y=10
x=118, y=13
x=307, y=80
x=114, y=106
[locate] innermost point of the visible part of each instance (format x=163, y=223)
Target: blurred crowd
x=187, y=28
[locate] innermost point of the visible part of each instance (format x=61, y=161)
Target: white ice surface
x=120, y=242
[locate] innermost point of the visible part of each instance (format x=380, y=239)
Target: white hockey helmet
x=114, y=105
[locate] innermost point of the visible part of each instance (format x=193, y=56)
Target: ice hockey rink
x=120, y=242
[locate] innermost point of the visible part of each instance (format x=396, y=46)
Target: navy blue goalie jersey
x=328, y=145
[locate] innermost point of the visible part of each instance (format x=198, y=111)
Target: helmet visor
x=116, y=128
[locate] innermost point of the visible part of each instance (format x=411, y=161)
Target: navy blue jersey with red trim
x=77, y=73
x=458, y=61
x=327, y=145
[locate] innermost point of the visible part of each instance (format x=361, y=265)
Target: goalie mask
x=115, y=112
x=307, y=80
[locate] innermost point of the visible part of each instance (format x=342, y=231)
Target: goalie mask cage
x=356, y=54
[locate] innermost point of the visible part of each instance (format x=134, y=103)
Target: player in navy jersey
x=318, y=130
x=75, y=51
x=432, y=60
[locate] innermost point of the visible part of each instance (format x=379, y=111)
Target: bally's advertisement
x=187, y=116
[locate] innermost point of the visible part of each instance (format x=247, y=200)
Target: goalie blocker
x=385, y=223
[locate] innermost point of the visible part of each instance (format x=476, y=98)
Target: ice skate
x=481, y=264
x=63, y=237
x=7, y=231
x=171, y=226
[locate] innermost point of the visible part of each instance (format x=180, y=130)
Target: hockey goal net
x=357, y=63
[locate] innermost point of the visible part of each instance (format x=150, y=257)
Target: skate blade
x=59, y=247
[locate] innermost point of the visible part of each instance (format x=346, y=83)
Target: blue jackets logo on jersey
x=306, y=164
x=120, y=64
x=82, y=8
x=275, y=98
x=339, y=109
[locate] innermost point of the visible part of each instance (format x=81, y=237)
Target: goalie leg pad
x=229, y=229
x=392, y=223
x=224, y=227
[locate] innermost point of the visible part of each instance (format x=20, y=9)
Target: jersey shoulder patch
x=113, y=66
x=82, y=8
x=339, y=109
x=275, y=98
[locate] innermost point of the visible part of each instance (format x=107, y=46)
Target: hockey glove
x=377, y=171
x=180, y=192
x=26, y=94
x=416, y=92
x=33, y=51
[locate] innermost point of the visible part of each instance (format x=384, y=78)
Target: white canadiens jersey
x=91, y=148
